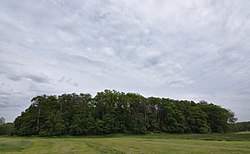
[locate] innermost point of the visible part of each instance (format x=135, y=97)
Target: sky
x=192, y=50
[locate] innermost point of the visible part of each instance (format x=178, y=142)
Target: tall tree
x=116, y=112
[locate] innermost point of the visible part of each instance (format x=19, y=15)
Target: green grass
x=151, y=143
x=17, y=145
x=247, y=132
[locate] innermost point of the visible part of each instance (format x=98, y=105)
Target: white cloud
x=109, y=51
x=169, y=48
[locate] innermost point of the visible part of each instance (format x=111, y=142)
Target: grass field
x=152, y=143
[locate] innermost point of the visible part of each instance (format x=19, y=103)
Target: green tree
x=7, y=129
x=2, y=120
x=111, y=111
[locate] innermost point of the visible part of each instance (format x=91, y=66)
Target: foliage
x=6, y=128
x=2, y=120
x=111, y=112
x=241, y=126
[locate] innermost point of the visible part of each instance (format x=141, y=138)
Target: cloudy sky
x=192, y=49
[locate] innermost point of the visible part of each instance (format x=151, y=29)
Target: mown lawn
x=152, y=143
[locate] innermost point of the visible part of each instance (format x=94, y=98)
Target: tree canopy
x=117, y=112
x=6, y=128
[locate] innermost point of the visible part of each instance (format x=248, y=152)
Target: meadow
x=150, y=143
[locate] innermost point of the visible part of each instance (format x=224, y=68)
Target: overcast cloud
x=192, y=49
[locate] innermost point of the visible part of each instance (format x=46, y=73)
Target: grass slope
x=152, y=143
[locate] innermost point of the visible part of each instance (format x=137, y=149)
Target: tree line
x=6, y=128
x=241, y=126
x=112, y=112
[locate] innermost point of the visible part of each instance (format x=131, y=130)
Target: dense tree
x=240, y=126
x=6, y=128
x=217, y=117
x=114, y=112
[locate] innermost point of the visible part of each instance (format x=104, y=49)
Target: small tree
x=2, y=120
